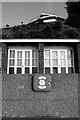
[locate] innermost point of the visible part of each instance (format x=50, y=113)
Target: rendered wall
x=0, y=96
x=19, y=99
x=0, y=81
x=78, y=49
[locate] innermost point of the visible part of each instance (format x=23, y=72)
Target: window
x=70, y=59
x=22, y=61
x=58, y=61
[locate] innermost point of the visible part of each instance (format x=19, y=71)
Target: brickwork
x=41, y=58
x=76, y=58
x=78, y=49
x=0, y=44
x=0, y=58
x=19, y=99
x=4, y=58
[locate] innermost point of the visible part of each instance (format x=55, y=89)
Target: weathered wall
x=0, y=57
x=0, y=96
x=78, y=51
x=20, y=100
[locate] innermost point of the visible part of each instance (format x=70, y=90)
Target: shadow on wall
x=40, y=118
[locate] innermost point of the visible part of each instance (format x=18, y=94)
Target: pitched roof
x=45, y=18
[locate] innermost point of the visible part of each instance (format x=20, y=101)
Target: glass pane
x=11, y=70
x=70, y=62
x=26, y=70
x=70, y=70
x=63, y=62
x=47, y=53
x=47, y=70
x=19, y=62
x=27, y=54
x=12, y=54
x=62, y=54
x=34, y=62
x=63, y=70
x=54, y=62
x=27, y=62
x=34, y=54
x=34, y=69
x=54, y=54
x=19, y=54
x=11, y=62
x=70, y=54
x=55, y=70
x=47, y=62
x=19, y=70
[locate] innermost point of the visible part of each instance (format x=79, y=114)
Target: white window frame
x=23, y=60
x=59, y=64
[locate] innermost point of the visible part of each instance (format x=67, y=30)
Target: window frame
x=23, y=60
x=59, y=64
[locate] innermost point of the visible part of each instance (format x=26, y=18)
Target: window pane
x=34, y=69
x=63, y=62
x=11, y=62
x=27, y=54
x=70, y=54
x=63, y=70
x=62, y=54
x=26, y=70
x=19, y=62
x=19, y=54
x=54, y=62
x=70, y=62
x=47, y=53
x=19, y=70
x=27, y=62
x=54, y=54
x=70, y=70
x=47, y=62
x=55, y=70
x=34, y=62
x=11, y=70
x=47, y=70
x=12, y=54
x=34, y=54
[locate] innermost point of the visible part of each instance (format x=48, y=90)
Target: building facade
x=40, y=79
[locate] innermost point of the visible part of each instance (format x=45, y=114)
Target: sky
x=13, y=13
